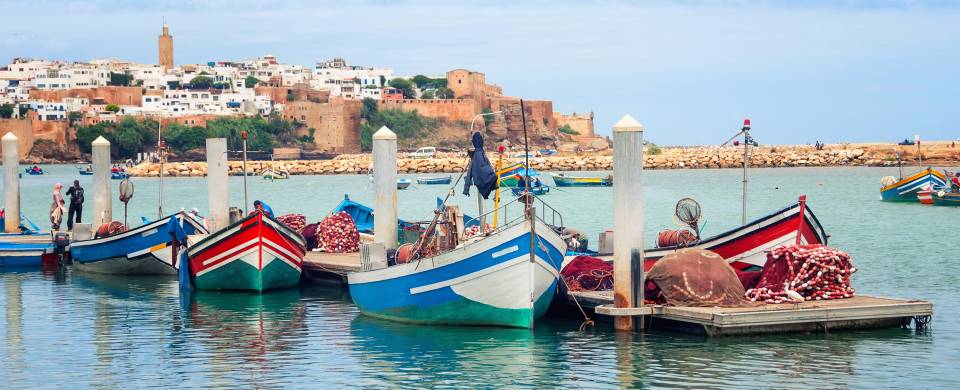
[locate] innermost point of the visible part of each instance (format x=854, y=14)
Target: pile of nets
x=800, y=273
x=338, y=234
x=588, y=273
x=310, y=235
x=474, y=230
x=294, y=221
x=697, y=277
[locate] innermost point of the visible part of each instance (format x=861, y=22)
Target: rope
x=587, y=322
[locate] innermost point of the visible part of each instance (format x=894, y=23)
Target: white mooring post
x=385, y=186
x=217, y=186
x=102, y=191
x=627, y=218
x=11, y=183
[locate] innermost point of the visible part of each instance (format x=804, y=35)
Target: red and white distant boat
x=925, y=196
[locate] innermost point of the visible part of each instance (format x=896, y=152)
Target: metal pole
x=526, y=151
x=243, y=135
x=11, y=183
x=479, y=198
x=746, y=162
x=385, y=186
x=627, y=217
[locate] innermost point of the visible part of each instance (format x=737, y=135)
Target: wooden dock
x=330, y=267
x=860, y=312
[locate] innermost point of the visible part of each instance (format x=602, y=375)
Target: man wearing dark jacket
x=76, y=203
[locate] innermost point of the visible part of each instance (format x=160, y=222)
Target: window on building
x=303, y=117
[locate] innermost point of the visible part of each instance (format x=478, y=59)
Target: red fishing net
x=111, y=228
x=800, y=273
x=697, y=277
x=588, y=273
x=294, y=221
x=310, y=235
x=668, y=238
x=338, y=234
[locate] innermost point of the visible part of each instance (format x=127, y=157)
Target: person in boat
x=56, y=209
x=263, y=207
x=115, y=169
x=536, y=183
x=955, y=182
x=90, y=168
x=36, y=169
x=76, y=204
x=521, y=183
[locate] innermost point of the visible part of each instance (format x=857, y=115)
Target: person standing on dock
x=56, y=209
x=76, y=203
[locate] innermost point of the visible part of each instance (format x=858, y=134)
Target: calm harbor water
x=67, y=329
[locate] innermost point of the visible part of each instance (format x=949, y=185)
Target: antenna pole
x=160, y=147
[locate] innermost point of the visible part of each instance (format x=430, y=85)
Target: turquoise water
x=65, y=329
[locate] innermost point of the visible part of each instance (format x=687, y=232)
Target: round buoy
x=404, y=253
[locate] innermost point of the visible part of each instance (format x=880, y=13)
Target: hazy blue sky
x=689, y=70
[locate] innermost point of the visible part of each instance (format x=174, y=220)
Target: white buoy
x=102, y=191
x=385, y=186
x=217, y=186
x=11, y=183
x=627, y=217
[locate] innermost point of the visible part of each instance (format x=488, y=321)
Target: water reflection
x=245, y=338
x=13, y=305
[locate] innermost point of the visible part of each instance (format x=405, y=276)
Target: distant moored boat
x=906, y=189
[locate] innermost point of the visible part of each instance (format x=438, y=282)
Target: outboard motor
x=61, y=240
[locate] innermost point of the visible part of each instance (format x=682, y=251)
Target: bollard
x=217, y=187
x=627, y=217
x=102, y=191
x=11, y=183
x=385, y=186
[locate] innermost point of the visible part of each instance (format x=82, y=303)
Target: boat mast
x=529, y=212
x=243, y=135
x=916, y=140
x=160, y=148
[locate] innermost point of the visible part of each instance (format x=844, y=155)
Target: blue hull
x=434, y=180
x=490, y=282
x=362, y=215
x=145, y=250
x=906, y=189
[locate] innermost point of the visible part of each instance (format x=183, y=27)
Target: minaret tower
x=165, y=44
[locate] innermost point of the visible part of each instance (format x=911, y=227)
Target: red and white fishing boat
x=745, y=247
x=925, y=196
x=256, y=253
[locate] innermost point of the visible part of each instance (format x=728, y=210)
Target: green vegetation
x=370, y=86
x=566, y=129
x=6, y=111
x=428, y=94
x=128, y=137
x=445, y=93
x=113, y=108
x=120, y=79
x=404, y=86
x=173, y=84
x=250, y=82
x=653, y=149
x=409, y=126
x=73, y=118
x=424, y=82
x=221, y=85
x=201, y=82
x=23, y=109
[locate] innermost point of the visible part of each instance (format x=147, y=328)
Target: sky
x=690, y=71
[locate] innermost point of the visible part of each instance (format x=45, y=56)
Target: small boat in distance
x=562, y=180
x=34, y=171
x=510, y=176
x=906, y=189
x=85, y=172
x=257, y=253
x=119, y=175
x=538, y=190
x=945, y=198
x=403, y=184
x=270, y=174
x=435, y=180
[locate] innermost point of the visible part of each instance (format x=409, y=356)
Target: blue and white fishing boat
x=506, y=275
x=494, y=280
x=27, y=249
x=906, y=189
x=145, y=250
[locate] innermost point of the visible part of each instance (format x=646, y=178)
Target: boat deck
x=322, y=266
x=860, y=312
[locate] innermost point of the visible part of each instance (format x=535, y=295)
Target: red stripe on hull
x=253, y=229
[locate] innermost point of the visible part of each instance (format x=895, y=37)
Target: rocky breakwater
x=664, y=158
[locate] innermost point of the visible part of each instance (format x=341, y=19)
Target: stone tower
x=165, y=44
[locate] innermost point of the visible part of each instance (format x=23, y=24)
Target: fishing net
x=697, y=277
x=798, y=273
x=588, y=273
x=294, y=221
x=688, y=212
x=681, y=237
x=338, y=234
x=110, y=229
x=310, y=235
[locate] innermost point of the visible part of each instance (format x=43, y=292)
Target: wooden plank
x=332, y=262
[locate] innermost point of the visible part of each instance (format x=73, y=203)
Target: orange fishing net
x=697, y=277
